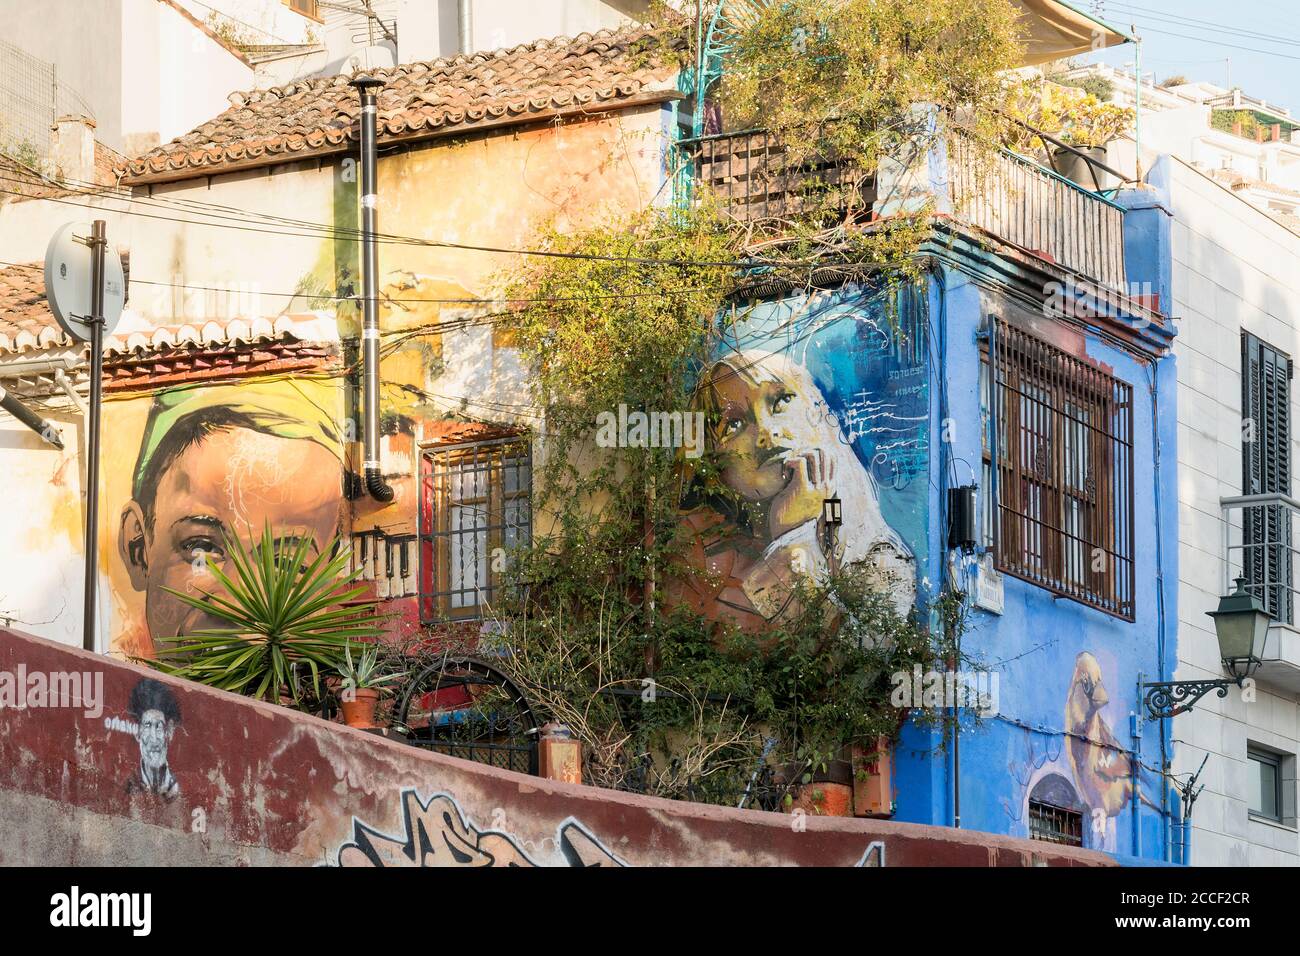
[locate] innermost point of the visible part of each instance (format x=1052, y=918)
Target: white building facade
x=1249, y=145
x=1236, y=300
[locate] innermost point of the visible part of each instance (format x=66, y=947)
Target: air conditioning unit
x=378, y=57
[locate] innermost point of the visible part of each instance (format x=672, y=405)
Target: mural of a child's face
x=233, y=480
x=768, y=431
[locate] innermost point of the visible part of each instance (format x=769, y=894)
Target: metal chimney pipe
x=379, y=489
x=465, y=26
x=18, y=410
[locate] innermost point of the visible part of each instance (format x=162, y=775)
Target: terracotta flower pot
x=825, y=799
x=360, y=710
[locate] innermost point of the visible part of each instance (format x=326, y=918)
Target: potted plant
x=819, y=784
x=362, y=683
x=1074, y=116
x=828, y=790
x=1086, y=125
x=286, y=614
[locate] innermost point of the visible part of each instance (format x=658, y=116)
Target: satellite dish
x=68, y=270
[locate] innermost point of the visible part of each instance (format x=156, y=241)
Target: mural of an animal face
x=1087, y=692
x=221, y=461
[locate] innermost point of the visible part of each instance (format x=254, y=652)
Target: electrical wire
x=306, y=294
x=1232, y=46
x=1193, y=23
x=331, y=233
x=237, y=218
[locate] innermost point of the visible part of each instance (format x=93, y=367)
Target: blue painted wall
x=1042, y=647
x=900, y=395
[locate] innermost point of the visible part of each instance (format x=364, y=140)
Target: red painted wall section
x=103, y=762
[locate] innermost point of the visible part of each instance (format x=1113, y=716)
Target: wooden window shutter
x=1266, y=374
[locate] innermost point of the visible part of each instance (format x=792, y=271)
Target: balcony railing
x=1012, y=198
x=1260, y=545
x=1259, y=542
x=1036, y=209
x=753, y=178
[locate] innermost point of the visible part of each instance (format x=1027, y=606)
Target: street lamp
x=832, y=514
x=832, y=518
x=1241, y=624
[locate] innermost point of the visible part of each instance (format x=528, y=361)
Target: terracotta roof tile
x=26, y=323
x=420, y=100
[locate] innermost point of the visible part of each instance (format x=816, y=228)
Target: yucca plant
x=285, y=614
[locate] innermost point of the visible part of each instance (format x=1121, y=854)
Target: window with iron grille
x=1055, y=824
x=1060, y=505
x=474, y=511
x=1266, y=469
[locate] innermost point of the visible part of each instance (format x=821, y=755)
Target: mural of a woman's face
x=770, y=429
x=235, y=481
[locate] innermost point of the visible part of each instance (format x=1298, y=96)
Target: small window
x=1058, y=463
x=1264, y=788
x=475, y=510
x=308, y=8
x=1052, y=824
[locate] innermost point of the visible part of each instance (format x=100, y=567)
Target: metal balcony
x=752, y=180
x=1013, y=198
x=1038, y=210
x=1259, y=544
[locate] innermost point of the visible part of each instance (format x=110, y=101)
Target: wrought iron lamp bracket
x=1166, y=699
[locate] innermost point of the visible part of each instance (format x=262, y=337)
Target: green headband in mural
x=287, y=408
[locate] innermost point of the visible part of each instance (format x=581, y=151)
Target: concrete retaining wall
x=249, y=784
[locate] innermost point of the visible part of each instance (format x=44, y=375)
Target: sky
x=1258, y=40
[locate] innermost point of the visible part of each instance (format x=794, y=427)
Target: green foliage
x=609, y=332
x=1251, y=123
x=21, y=151
x=592, y=633
x=286, y=610
x=713, y=706
x=846, y=77
x=589, y=637
x=625, y=329
x=1102, y=87
x=365, y=673
x=233, y=33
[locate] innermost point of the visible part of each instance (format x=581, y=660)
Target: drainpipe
x=379, y=489
x=61, y=379
x=465, y=25
x=18, y=410
x=1135, y=768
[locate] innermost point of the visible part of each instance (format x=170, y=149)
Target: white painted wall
x=1177, y=121
x=42, y=593
x=260, y=21
x=426, y=29
x=82, y=39
x=174, y=75
x=506, y=23
x=1234, y=269
x=148, y=73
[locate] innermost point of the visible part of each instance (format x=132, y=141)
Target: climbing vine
x=624, y=318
